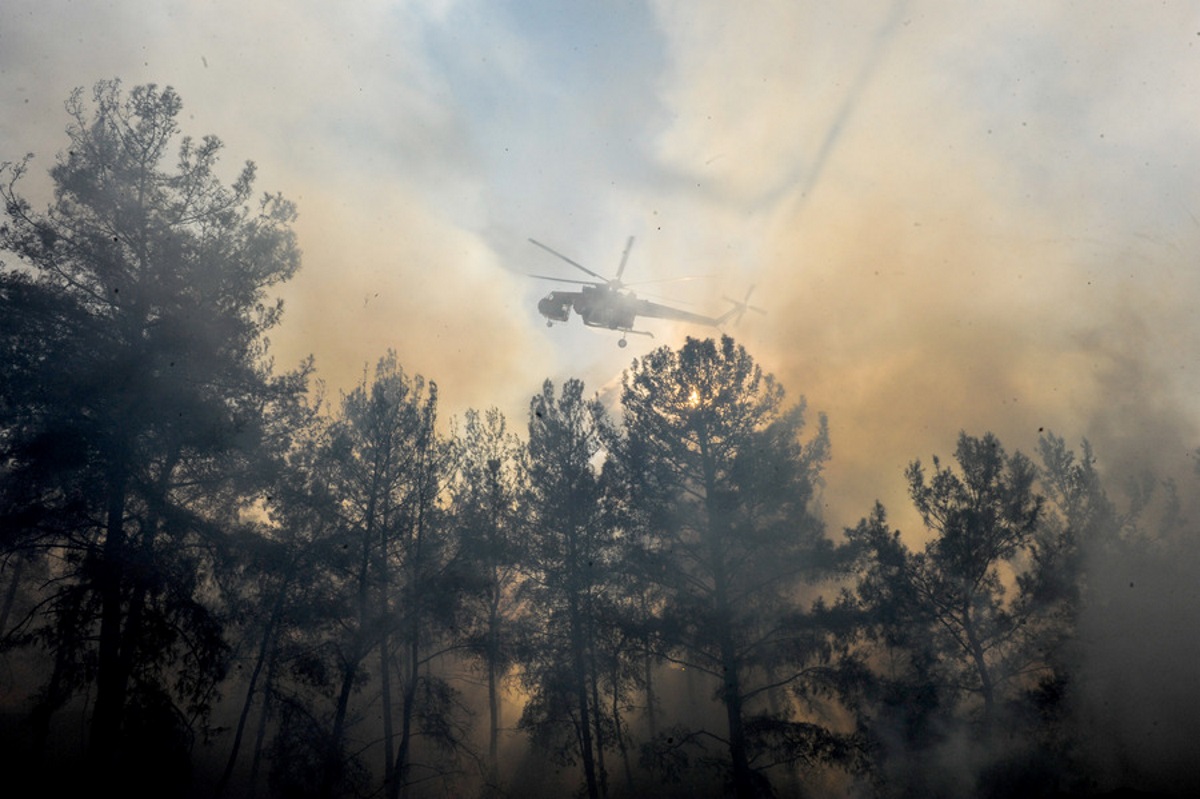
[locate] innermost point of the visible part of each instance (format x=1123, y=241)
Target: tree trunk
x=11, y=595
x=616, y=715
x=648, y=675
x=731, y=697
x=385, y=658
x=594, y=679
x=400, y=774
x=986, y=688
x=260, y=737
x=110, y=682
x=493, y=657
x=731, y=689
x=579, y=677
x=333, y=755
x=495, y=593
x=264, y=650
x=414, y=608
x=601, y=769
x=350, y=666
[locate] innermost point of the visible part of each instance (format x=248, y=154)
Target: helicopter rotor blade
x=570, y=280
x=568, y=260
x=661, y=280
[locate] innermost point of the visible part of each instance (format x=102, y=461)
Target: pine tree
x=135, y=405
x=725, y=484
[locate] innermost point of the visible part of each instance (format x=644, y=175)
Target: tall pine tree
x=134, y=405
x=725, y=483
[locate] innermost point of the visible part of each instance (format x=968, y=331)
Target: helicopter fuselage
x=597, y=306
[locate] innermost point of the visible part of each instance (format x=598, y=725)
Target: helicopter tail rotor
x=739, y=308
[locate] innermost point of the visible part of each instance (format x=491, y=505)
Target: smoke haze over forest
x=958, y=218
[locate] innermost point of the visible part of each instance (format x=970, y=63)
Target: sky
x=957, y=216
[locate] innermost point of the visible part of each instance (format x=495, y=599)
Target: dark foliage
x=137, y=410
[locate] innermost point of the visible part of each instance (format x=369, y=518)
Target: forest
x=217, y=581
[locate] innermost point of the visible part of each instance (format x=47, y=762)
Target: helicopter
x=607, y=303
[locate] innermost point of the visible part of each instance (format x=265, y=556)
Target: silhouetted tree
x=488, y=511
x=1076, y=513
x=368, y=505
x=634, y=646
x=386, y=468
x=284, y=600
x=426, y=611
x=725, y=484
x=133, y=425
x=569, y=554
x=1093, y=555
x=952, y=597
x=369, y=453
x=974, y=627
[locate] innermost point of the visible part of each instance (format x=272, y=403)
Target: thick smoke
x=1001, y=239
